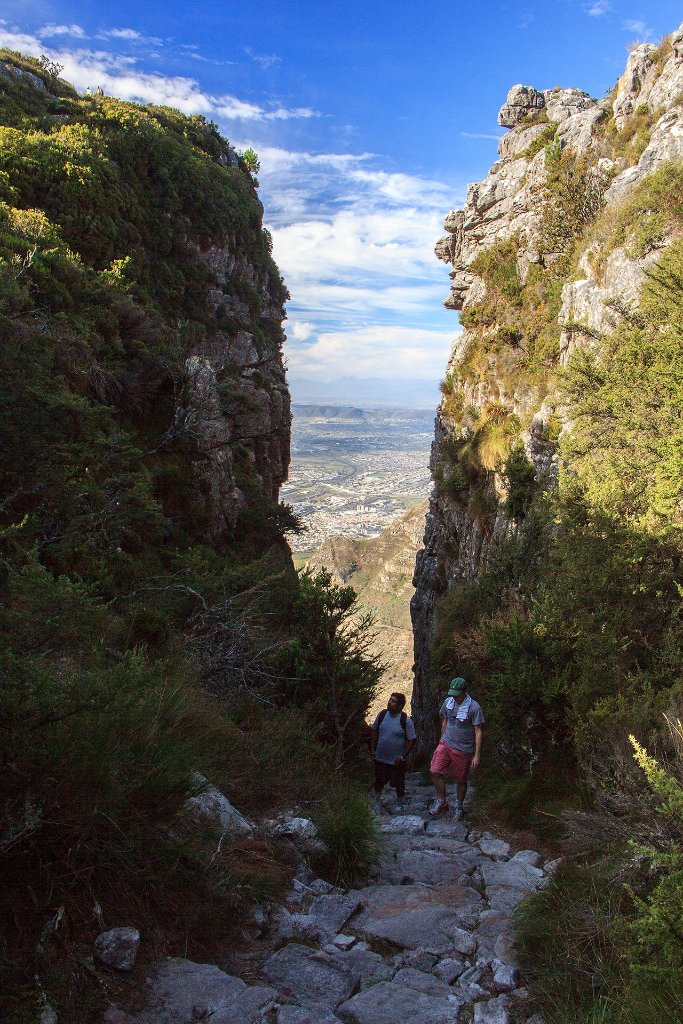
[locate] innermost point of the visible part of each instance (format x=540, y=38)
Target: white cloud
x=373, y=351
x=266, y=60
x=597, y=8
x=481, y=135
x=639, y=29
x=122, y=33
x=118, y=75
x=48, y=31
x=300, y=329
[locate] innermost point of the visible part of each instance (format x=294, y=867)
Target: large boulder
x=180, y=991
x=521, y=101
x=389, y=1003
x=310, y=976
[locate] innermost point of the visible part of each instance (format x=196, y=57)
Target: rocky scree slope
x=430, y=940
x=548, y=255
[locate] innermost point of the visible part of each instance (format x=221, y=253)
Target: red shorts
x=446, y=760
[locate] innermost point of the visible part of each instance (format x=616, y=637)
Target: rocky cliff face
x=252, y=415
x=566, y=162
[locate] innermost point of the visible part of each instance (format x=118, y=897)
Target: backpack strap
x=380, y=718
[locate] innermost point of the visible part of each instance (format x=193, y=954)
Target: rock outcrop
x=488, y=382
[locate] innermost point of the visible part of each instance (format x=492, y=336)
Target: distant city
x=354, y=471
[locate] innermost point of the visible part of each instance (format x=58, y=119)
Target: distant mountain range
x=368, y=392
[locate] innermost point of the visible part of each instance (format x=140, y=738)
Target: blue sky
x=370, y=118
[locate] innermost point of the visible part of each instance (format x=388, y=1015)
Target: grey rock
x=179, y=990
x=303, y=833
x=514, y=873
x=448, y=830
x=212, y=808
x=249, y=1006
x=344, y=941
x=531, y=857
x=112, y=1015
x=506, y=978
x=495, y=1011
x=516, y=142
x=443, y=250
x=421, y=982
x=48, y=1015
x=520, y=994
x=420, y=959
x=449, y=969
x=333, y=910
x=504, y=898
x=408, y=824
x=118, y=948
x=577, y=132
x=638, y=67
x=432, y=867
x=413, y=917
x=551, y=866
x=493, y=847
x=310, y=976
x=475, y=991
x=326, y=916
x=369, y=967
x=536, y=1019
x=387, y=1003
x=305, y=1015
x=521, y=100
x=320, y=887
x=505, y=949
x=561, y=104
x=21, y=75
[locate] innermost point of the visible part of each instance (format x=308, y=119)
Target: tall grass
x=349, y=830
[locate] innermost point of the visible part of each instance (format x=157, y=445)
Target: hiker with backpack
x=392, y=738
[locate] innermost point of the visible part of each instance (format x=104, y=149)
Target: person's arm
x=478, y=735
x=444, y=723
x=374, y=736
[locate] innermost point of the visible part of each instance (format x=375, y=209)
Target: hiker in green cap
x=459, y=749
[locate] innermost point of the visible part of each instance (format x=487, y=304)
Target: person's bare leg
x=461, y=790
x=439, y=782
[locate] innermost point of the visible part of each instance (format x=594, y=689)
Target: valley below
x=355, y=471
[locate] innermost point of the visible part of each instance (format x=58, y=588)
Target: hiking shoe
x=439, y=808
x=459, y=813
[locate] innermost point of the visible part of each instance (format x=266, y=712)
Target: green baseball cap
x=456, y=686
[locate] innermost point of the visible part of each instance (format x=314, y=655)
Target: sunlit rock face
x=508, y=205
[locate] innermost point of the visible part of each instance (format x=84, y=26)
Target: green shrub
x=349, y=830
x=519, y=475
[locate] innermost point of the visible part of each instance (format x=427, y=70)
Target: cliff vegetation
x=550, y=576
x=154, y=629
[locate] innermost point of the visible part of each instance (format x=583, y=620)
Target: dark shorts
x=394, y=774
x=448, y=761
